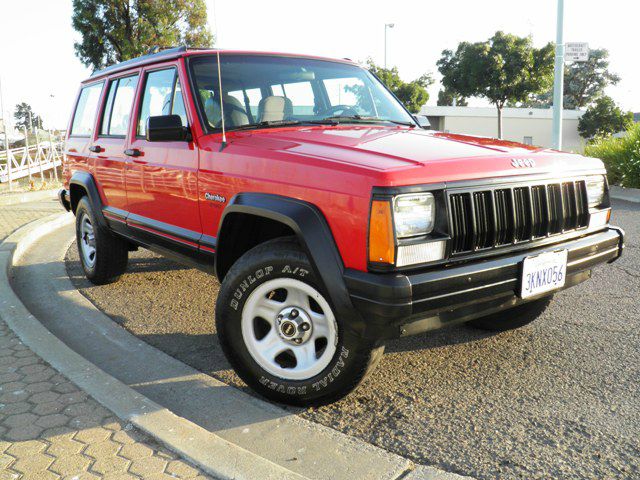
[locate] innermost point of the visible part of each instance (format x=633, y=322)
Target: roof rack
x=154, y=55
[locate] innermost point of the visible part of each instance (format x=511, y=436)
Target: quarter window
x=115, y=120
x=85, y=115
x=162, y=96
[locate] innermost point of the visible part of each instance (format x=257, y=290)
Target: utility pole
x=386, y=26
x=558, y=86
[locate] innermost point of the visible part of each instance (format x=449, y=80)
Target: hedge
x=621, y=156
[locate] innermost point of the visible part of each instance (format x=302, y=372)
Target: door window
x=351, y=92
x=85, y=115
x=115, y=120
x=162, y=96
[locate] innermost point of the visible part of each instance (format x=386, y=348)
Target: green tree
x=584, y=82
x=446, y=99
x=505, y=68
x=117, y=30
x=603, y=118
x=412, y=94
x=25, y=117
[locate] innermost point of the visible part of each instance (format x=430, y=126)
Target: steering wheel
x=339, y=110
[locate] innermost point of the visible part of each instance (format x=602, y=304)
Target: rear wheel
x=280, y=333
x=103, y=256
x=514, y=317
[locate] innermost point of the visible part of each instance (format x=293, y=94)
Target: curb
x=214, y=451
x=24, y=197
x=627, y=194
x=207, y=451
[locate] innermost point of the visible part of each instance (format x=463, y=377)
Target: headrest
x=274, y=108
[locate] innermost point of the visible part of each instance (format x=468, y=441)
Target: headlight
x=414, y=214
x=595, y=190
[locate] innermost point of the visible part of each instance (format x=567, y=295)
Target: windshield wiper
x=364, y=119
x=323, y=121
x=283, y=123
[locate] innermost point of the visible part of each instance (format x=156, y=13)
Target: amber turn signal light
x=381, y=242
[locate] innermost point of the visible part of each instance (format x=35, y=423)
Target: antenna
x=224, y=135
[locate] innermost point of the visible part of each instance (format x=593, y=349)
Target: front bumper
x=394, y=305
x=65, y=199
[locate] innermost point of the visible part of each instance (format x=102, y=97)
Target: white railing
x=23, y=162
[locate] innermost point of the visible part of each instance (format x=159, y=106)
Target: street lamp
x=386, y=26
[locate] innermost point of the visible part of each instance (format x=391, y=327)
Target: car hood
x=412, y=155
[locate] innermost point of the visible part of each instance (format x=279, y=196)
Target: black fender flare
x=315, y=237
x=86, y=181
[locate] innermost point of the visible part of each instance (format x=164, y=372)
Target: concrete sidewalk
x=49, y=428
x=143, y=388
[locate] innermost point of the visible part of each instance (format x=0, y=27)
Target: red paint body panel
x=331, y=167
x=162, y=183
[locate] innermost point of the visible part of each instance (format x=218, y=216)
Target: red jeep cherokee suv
x=332, y=219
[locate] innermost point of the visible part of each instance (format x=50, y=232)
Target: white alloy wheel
x=87, y=241
x=289, y=329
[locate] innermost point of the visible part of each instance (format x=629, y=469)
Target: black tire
x=111, y=253
x=353, y=360
x=512, y=318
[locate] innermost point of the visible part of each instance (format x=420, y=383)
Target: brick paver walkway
x=51, y=429
x=13, y=217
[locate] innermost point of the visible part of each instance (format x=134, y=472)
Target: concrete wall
x=516, y=129
x=518, y=123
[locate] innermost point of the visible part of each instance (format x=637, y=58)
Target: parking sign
x=576, y=52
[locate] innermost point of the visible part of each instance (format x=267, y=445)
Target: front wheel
x=280, y=333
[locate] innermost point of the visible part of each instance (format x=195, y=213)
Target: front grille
x=493, y=217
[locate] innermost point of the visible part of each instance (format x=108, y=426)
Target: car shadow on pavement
x=453, y=335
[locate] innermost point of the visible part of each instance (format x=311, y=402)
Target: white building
x=532, y=126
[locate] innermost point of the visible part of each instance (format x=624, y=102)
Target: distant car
x=333, y=221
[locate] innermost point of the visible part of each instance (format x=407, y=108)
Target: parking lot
x=556, y=399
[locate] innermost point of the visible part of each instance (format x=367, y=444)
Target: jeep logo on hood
x=523, y=162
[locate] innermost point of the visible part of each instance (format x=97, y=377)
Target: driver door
x=163, y=179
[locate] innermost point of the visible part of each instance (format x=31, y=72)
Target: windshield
x=262, y=90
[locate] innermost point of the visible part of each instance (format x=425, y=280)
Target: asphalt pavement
x=556, y=399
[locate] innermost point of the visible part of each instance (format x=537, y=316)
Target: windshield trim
x=207, y=129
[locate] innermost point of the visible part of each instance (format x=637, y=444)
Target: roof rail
x=153, y=56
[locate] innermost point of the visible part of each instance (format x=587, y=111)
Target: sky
x=38, y=64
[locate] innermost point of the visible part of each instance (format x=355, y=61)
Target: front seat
x=234, y=112
x=274, y=109
x=212, y=111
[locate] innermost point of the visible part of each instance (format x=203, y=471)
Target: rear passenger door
x=163, y=179
x=110, y=144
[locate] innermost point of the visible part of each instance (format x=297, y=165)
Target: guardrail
x=23, y=162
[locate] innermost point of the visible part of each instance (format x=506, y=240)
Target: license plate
x=543, y=273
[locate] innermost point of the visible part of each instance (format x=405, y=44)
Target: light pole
x=386, y=26
x=4, y=123
x=558, y=86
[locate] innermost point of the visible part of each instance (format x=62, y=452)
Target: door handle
x=132, y=152
x=96, y=148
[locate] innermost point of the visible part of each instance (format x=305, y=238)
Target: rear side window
x=85, y=115
x=115, y=120
x=162, y=96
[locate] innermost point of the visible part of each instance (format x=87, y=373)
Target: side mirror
x=423, y=121
x=167, y=128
